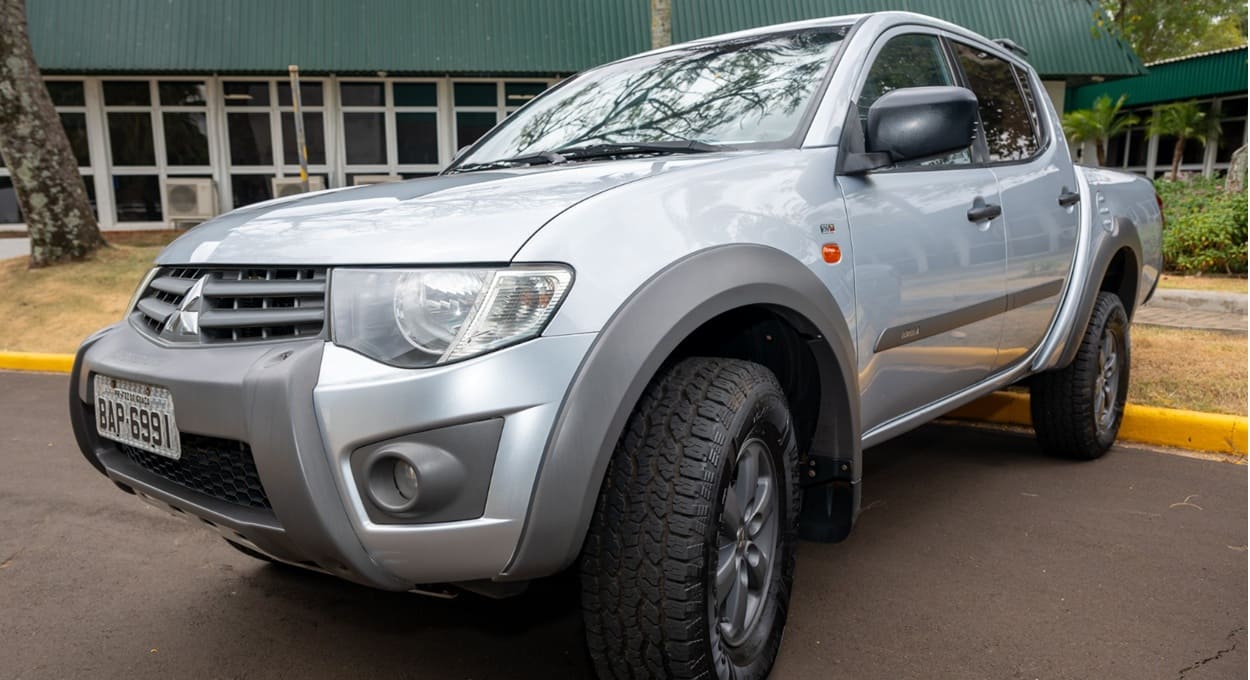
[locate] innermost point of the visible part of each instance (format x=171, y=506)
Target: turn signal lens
x=831, y=252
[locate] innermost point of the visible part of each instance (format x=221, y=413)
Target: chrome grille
x=236, y=304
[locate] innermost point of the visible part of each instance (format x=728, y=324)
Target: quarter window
x=1005, y=118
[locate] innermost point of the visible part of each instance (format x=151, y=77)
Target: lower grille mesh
x=220, y=468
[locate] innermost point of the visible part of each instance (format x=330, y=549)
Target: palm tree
x=1184, y=121
x=1098, y=125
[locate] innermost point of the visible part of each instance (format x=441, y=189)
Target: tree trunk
x=1100, y=151
x=1236, y=178
x=44, y=171
x=1177, y=153
x=661, y=23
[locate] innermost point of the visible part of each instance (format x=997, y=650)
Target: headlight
x=426, y=317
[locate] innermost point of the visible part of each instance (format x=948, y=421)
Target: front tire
x=1077, y=410
x=688, y=564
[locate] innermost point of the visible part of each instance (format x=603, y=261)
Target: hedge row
x=1205, y=230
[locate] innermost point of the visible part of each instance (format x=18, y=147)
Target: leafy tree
x=1164, y=29
x=45, y=175
x=1098, y=125
x=1184, y=121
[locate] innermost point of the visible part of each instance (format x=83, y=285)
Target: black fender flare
x=1125, y=235
x=632, y=347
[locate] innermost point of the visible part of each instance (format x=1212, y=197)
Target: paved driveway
x=974, y=558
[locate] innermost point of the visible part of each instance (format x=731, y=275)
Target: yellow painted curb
x=1146, y=424
x=32, y=361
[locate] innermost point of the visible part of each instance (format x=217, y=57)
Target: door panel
x=928, y=277
x=1033, y=171
x=929, y=285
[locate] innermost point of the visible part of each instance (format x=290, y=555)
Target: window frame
x=160, y=168
x=274, y=109
x=389, y=110
x=1043, y=143
x=853, y=134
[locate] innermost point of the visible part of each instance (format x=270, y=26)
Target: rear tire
x=1077, y=410
x=688, y=564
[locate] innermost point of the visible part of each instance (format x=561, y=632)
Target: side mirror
x=915, y=123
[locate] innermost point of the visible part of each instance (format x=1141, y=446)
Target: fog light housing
x=409, y=479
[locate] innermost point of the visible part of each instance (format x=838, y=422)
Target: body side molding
x=915, y=331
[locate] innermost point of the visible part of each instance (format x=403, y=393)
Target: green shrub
x=1205, y=230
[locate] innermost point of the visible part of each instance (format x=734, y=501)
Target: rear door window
x=1006, y=120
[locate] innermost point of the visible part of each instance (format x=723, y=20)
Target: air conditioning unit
x=290, y=186
x=362, y=180
x=189, y=199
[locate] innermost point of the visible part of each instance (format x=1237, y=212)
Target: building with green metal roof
x=169, y=101
x=1216, y=79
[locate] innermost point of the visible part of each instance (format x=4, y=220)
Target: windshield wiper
x=544, y=158
x=589, y=151
x=632, y=148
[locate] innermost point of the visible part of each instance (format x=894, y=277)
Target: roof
x=490, y=36
x=1194, y=56
x=1207, y=74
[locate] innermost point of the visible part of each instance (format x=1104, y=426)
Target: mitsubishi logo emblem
x=186, y=321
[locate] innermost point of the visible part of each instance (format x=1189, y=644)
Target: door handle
x=984, y=213
x=1069, y=198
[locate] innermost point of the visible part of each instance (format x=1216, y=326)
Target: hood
x=463, y=218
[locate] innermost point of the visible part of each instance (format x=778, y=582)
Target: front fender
x=632, y=347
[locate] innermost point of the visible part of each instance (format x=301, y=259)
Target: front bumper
x=304, y=407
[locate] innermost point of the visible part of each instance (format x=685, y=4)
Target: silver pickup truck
x=646, y=326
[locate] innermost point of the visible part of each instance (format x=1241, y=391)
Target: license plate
x=137, y=414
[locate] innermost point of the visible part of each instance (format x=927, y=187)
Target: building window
x=390, y=127
x=1232, y=115
x=478, y=106
x=184, y=120
x=137, y=197
x=155, y=129
x=1137, y=142
x=260, y=126
x=71, y=106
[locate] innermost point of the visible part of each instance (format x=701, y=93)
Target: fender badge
x=828, y=228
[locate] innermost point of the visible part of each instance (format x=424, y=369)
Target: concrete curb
x=1199, y=300
x=1214, y=432
x=31, y=361
x=1146, y=424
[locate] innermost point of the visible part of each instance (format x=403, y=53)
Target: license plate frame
x=137, y=413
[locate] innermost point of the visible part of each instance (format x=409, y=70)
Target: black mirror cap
x=922, y=122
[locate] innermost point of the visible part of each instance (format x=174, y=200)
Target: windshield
x=740, y=92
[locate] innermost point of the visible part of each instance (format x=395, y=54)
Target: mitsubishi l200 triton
x=645, y=326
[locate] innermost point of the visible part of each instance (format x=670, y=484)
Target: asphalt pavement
x=975, y=557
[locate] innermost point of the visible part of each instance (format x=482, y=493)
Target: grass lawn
x=1189, y=369
x=1211, y=282
x=54, y=308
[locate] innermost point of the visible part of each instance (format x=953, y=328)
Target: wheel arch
x=1122, y=278
x=672, y=314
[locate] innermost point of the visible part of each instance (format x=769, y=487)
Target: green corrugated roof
x=1201, y=75
x=489, y=36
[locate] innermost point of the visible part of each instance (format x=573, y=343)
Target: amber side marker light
x=831, y=252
